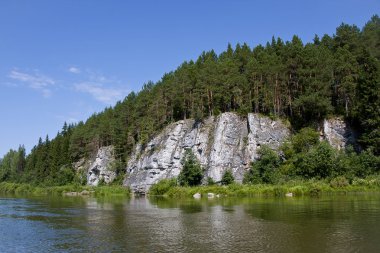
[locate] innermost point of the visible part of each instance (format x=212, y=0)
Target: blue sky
x=64, y=60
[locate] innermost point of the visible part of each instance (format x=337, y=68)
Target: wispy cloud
x=35, y=81
x=74, y=70
x=102, y=88
x=99, y=92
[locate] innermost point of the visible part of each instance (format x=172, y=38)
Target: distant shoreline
x=65, y=190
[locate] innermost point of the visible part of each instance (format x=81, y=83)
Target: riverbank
x=169, y=188
x=66, y=190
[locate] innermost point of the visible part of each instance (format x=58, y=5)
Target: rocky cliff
x=99, y=167
x=338, y=133
x=226, y=142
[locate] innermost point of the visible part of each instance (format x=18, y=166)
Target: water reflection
x=76, y=224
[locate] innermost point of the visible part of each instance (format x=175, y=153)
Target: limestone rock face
x=161, y=158
x=338, y=133
x=81, y=165
x=226, y=142
x=100, y=167
x=228, y=149
x=264, y=131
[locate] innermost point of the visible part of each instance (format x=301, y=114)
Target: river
x=344, y=223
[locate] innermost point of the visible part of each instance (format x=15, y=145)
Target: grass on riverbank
x=298, y=188
x=27, y=189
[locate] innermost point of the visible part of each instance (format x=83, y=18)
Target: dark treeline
x=333, y=75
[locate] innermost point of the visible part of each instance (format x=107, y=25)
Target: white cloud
x=74, y=70
x=100, y=93
x=35, y=81
x=101, y=88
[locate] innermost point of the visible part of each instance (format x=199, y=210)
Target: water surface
x=348, y=223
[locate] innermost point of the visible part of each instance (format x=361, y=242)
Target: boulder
x=197, y=195
x=210, y=195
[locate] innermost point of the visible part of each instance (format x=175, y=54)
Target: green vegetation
x=210, y=181
x=305, y=158
x=297, y=187
x=265, y=170
x=28, y=189
x=162, y=186
x=303, y=83
x=192, y=172
x=227, y=178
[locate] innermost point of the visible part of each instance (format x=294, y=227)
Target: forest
x=334, y=75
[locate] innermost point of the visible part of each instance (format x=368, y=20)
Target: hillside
x=336, y=75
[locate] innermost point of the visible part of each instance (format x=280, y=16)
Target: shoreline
x=309, y=188
x=65, y=190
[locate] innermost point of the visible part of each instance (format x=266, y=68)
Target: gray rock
x=210, y=195
x=264, y=131
x=197, y=195
x=70, y=194
x=226, y=142
x=228, y=147
x=338, y=133
x=85, y=192
x=162, y=156
x=101, y=167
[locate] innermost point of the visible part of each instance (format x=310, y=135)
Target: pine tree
x=191, y=173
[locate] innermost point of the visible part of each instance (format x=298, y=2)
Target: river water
x=345, y=223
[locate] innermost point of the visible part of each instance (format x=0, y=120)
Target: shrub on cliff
x=192, y=172
x=265, y=169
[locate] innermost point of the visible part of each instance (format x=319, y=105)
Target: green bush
x=339, y=182
x=227, y=178
x=65, y=176
x=119, y=179
x=210, y=181
x=112, y=191
x=80, y=177
x=265, y=169
x=303, y=141
x=252, y=176
x=162, y=187
x=319, y=162
x=191, y=173
x=102, y=182
x=279, y=191
x=315, y=191
x=371, y=181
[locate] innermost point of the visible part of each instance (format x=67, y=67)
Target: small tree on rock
x=191, y=173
